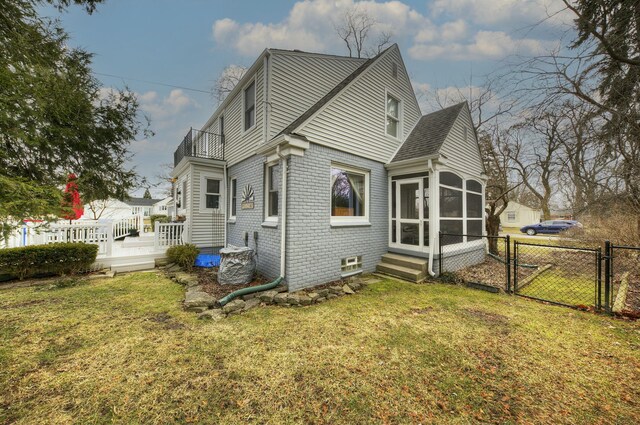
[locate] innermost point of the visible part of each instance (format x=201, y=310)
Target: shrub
x=58, y=258
x=160, y=218
x=618, y=227
x=183, y=255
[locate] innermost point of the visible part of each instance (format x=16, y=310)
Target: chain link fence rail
x=475, y=260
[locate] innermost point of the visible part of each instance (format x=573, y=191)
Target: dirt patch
x=487, y=317
x=491, y=272
x=417, y=311
x=166, y=321
x=207, y=278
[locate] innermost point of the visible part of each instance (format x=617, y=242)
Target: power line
x=152, y=82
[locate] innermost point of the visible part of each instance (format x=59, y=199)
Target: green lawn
x=561, y=287
x=122, y=351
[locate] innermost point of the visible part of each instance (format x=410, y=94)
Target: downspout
x=283, y=224
x=227, y=200
x=432, y=245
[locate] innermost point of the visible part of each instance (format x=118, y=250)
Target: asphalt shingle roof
x=428, y=135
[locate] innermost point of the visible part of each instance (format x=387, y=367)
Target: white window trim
x=269, y=221
x=233, y=181
x=464, y=191
x=345, y=221
x=203, y=192
x=255, y=105
x=388, y=93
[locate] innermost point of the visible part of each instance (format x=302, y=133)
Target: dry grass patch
x=123, y=351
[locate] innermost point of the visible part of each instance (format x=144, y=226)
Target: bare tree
x=355, y=29
x=227, y=80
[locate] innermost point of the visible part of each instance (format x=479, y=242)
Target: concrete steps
x=131, y=263
x=403, y=266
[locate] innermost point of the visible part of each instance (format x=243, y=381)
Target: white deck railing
x=100, y=234
x=122, y=226
x=169, y=234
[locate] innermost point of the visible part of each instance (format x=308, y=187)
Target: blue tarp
x=207, y=260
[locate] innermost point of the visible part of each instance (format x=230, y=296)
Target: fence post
x=599, y=278
x=508, y=262
x=515, y=266
x=439, y=253
x=608, y=271
x=109, y=238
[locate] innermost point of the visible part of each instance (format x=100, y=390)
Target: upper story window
x=272, y=192
x=212, y=194
x=250, y=106
x=393, y=116
x=349, y=194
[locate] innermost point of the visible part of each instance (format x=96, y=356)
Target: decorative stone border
x=204, y=304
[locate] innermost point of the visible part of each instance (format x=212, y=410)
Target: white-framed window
x=233, y=197
x=271, y=192
x=511, y=216
x=393, y=113
x=211, y=193
x=349, y=194
x=249, y=106
x=461, y=208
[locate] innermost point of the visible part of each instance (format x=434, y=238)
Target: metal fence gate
x=562, y=275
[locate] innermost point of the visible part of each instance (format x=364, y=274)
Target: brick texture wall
x=314, y=248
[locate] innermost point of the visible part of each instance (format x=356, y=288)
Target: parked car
x=550, y=226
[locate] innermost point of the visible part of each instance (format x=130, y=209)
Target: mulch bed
x=207, y=277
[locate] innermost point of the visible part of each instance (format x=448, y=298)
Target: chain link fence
x=558, y=274
x=475, y=260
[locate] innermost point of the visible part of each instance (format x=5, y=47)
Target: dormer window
x=393, y=116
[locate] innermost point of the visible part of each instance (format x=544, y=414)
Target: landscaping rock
x=253, y=302
x=336, y=290
x=331, y=296
x=267, y=296
x=234, y=305
x=293, y=299
x=313, y=296
x=212, y=314
x=237, y=265
x=347, y=290
x=323, y=292
x=186, y=279
x=250, y=296
x=196, y=300
x=305, y=299
x=355, y=285
x=174, y=268
x=281, y=298
x=321, y=300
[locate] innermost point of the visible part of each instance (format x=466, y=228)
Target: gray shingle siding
x=251, y=171
x=314, y=248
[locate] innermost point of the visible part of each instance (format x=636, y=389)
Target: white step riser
x=134, y=267
x=130, y=243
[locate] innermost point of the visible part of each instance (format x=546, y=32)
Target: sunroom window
x=461, y=208
x=349, y=193
x=393, y=116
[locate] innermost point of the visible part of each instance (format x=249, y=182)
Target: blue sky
x=188, y=43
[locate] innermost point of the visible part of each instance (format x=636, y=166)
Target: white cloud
x=492, y=12
x=310, y=26
x=483, y=45
x=159, y=110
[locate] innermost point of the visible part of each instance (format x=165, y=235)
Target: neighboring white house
x=115, y=209
x=518, y=215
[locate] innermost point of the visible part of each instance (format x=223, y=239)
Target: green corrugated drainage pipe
x=249, y=290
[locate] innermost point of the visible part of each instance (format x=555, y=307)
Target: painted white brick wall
x=251, y=171
x=314, y=248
